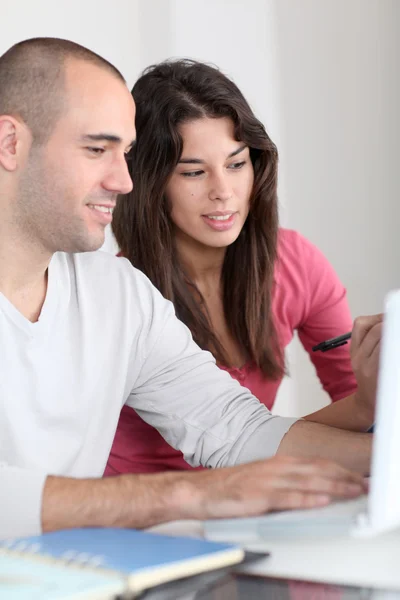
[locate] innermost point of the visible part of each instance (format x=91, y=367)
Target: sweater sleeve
x=20, y=501
x=326, y=315
x=197, y=407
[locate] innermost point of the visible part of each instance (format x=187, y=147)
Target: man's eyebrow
x=198, y=161
x=105, y=137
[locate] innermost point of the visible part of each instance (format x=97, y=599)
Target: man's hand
x=365, y=347
x=139, y=501
x=279, y=483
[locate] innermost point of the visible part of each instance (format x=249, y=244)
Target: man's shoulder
x=102, y=272
x=100, y=261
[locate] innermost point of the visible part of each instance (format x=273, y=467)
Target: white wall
x=340, y=93
x=112, y=32
x=321, y=74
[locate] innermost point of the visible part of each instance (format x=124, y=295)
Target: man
x=82, y=333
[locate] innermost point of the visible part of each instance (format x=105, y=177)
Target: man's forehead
x=97, y=100
x=85, y=81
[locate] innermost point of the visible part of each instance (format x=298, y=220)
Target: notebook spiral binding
x=69, y=558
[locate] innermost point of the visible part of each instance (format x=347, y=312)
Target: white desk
x=331, y=558
x=343, y=560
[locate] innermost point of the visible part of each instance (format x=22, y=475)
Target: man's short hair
x=32, y=81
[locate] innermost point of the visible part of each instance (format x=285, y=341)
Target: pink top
x=309, y=298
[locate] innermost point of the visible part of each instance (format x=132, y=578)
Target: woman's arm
x=348, y=373
x=326, y=314
x=356, y=412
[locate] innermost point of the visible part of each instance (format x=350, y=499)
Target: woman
x=202, y=223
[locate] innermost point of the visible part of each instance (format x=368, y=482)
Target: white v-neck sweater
x=106, y=337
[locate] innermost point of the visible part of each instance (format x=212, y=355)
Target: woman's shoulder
x=304, y=278
x=292, y=243
x=304, y=270
x=297, y=254
x=291, y=287
x=291, y=250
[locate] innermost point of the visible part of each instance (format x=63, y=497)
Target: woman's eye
x=192, y=173
x=238, y=165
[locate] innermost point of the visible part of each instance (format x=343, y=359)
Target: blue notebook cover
x=142, y=559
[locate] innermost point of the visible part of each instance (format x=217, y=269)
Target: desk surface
x=373, y=562
x=336, y=559
x=240, y=587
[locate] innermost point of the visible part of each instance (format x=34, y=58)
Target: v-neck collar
x=48, y=308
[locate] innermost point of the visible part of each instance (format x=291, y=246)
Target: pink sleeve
x=326, y=315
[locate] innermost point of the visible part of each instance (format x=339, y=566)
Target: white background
x=322, y=75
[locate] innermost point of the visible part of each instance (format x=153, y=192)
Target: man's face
x=69, y=186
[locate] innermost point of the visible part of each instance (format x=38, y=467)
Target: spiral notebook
x=83, y=564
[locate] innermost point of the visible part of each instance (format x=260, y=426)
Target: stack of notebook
x=100, y=564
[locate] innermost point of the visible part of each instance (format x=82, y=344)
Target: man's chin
x=90, y=244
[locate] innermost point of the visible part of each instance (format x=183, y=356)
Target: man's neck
x=23, y=274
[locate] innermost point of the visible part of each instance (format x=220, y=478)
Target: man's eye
x=95, y=150
x=192, y=173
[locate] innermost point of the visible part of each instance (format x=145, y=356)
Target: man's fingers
x=321, y=484
x=335, y=488
x=336, y=471
x=297, y=500
x=325, y=468
x=319, y=477
x=283, y=483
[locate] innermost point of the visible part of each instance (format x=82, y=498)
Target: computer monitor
x=383, y=506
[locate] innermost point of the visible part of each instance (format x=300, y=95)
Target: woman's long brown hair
x=167, y=95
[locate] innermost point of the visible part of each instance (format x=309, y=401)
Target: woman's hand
x=365, y=347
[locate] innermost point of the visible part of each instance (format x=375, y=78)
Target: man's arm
x=144, y=500
x=31, y=503
x=211, y=418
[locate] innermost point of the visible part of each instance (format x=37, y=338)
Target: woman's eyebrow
x=198, y=161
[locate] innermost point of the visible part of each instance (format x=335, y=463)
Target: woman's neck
x=202, y=263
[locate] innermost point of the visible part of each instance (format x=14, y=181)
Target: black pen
x=341, y=340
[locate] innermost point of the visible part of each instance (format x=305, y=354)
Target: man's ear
x=10, y=138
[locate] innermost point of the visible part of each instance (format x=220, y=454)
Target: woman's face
x=210, y=188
